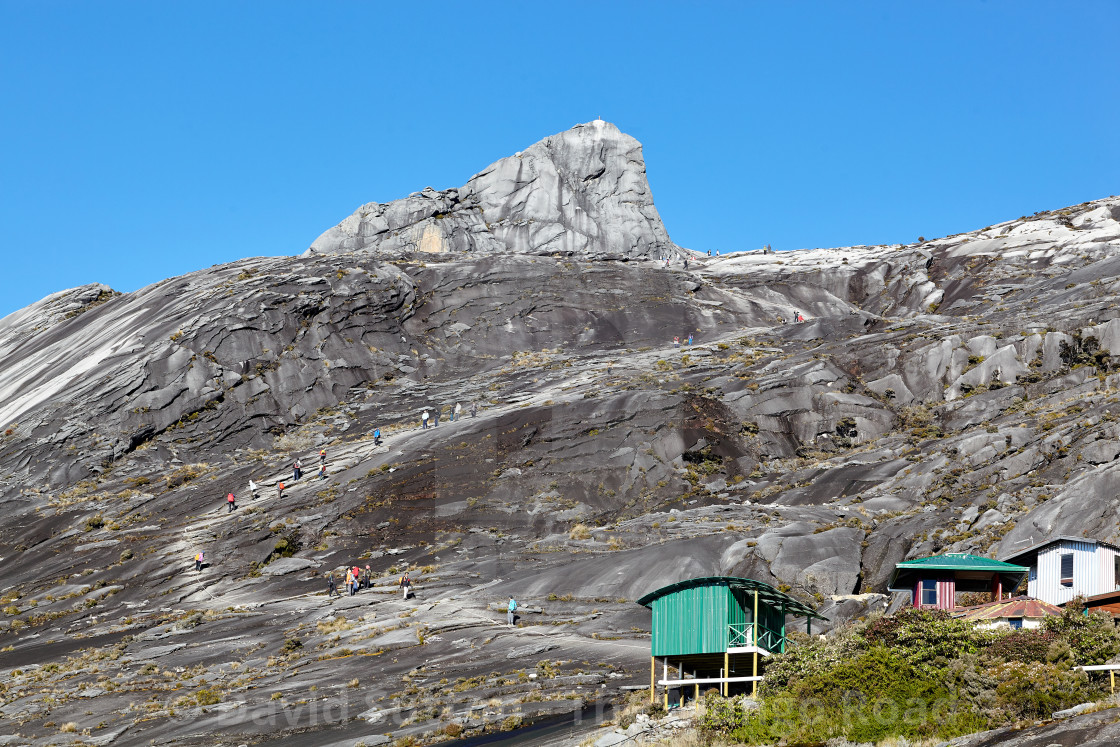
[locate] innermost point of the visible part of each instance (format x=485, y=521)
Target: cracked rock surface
x=955, y=395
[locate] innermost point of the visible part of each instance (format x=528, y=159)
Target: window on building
x=929, y=592
x=1116, y=571
x=1067, y=569
x=1016, y=623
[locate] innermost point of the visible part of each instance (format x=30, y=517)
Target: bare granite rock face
x=955, y=395
x=580, y=193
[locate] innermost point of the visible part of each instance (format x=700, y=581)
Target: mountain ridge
x=957, y=394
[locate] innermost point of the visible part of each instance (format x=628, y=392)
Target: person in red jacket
x=231, y=499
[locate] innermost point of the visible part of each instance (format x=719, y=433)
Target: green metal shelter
x=706, y=625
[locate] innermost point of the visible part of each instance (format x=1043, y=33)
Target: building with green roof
x=934, y=582
x=712, y=630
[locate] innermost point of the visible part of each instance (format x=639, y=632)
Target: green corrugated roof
x=960, y=561
x=766, y=593
x=955, y=561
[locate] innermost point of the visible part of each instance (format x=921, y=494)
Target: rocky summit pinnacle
x=581, y=192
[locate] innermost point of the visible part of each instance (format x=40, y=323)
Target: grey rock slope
x=579, y=193
x=959, y=394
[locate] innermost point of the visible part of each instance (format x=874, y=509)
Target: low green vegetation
x=919, y=674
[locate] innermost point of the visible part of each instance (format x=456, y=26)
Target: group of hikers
x=765, y=250
x=297, y=473
x=684, y=261
x=356, y=578
x=678, y=340
x=456, y=413
x=297, y=467
x=426, y=419
x=360, y=578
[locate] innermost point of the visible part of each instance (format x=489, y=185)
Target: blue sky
x=146, y=139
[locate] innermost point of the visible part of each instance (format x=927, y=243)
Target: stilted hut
x=712, y=631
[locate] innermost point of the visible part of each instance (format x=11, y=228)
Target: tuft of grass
x=335, y=625
x=185, y=474
x=207, y=697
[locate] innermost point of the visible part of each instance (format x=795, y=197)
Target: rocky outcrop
x=580, y=193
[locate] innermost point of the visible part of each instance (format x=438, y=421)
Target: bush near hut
x=918, y=674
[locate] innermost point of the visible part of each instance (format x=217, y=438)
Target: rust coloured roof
x=1109, y=597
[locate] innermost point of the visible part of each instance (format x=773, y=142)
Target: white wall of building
x=1093, y=571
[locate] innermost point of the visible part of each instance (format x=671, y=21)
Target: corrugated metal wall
x=692, y=621
x=946, y=594
x=1106, y=573
x=1087, y=576
x=770, y=617
x=740, y=607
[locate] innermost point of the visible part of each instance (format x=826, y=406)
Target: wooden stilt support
x=1112, y=679
x=754, y=673
x=754, y=684
x=726, y=670
x=652, y=676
